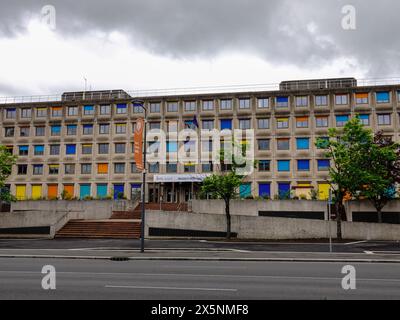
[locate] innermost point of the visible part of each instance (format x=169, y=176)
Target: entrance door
x=153, y=195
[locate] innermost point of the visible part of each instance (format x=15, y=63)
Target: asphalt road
x=186, y=280
x=389, y=247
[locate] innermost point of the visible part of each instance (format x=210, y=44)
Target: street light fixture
x=140, y=103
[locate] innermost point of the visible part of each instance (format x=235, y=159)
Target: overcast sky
x=141, y=44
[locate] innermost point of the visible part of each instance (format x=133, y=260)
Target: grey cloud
x=276, y=30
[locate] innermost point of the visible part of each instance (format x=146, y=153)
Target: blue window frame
x=39, y=150
x=283, y=165
x=55, y=130
x=245, y=190
x=282, y=101
x=121, y=108
x=383, y=97
x=323, y=165
x=341, y=120
x=102, y=190
x=71, y=149
x=118, y=189
x=84, y=191
x=303, y=143
x=88, y=110
x=284, y=190
x=364, y=118
x=172, y=146
x=226, y=124
x=303, y=165
x=264, y=190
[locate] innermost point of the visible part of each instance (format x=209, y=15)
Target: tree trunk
x=380, y=219
x=228, y=219
x=338, y=207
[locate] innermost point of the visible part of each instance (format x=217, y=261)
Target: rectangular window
x=244, y=103
x=263, y=144
x=119, y=168
x=137, y=108
x=121, y=108
x=244, y=124
x=154, y=167
x=24, y=131
x=120, y=128
x=283, y=165
x=226, y=124
x=364, y=118
x=172, y=146
x=172, y=107
x=41, y=112
x=55, y=130
x=341, y=120
x=84, y=191
x=282, y=123
x=37, y=169
x=56, y=112
x=70, y=149
x=323, y=165
x=102, y=168
x=37, y=192
x=86, y=168
x=72, y=111
x=284, y=190
x=207, y=167
x=40, y=131
x=341, y=99
x=384, y=119
x=155, y=107
x=264, y=190
x=321, y=100
x=325, y=142
x=104, y=128
x=87, y=129
x=226, y=104
x=22, y=169
x=101, y=190
x=208, y=105
x=361, y=98
x=87, y=149
x=54, y=169
x=38, y=150
x=11, y=113
x=303, y=165
x=9, y=132
x=88, y=110
x=302, y=122
x=263, y=123
x=283, y=144
x=383, y=97
x=206, y=146
x=321, y=122
x=105, y=109
x=190, y=106
x=54, y=149
x=302, y=101
x=172, y=167
x=264, y=165
x=72, y=130
x=103, y=148
x=26, y=113
x=282, y=102
x=303, y=143
x=263, y=103
x=155, y=125
x=120, y=148
x=189, y=168
x=69, y=168
x=134, y=167
x=208, y=124
x=23, y=150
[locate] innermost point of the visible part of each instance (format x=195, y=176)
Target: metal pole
x=144, y=184
x=329, y=219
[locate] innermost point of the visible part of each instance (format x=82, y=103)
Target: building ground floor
x=168, y=188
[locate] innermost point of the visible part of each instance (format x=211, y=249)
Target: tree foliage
x=7, y=160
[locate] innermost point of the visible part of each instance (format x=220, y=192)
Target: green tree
x=382, y=172
x=347, y=150
x=7, y=160
x=223, y=187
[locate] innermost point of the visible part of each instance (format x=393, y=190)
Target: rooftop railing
x=111, y=95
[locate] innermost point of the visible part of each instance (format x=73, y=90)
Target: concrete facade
x=50, y=138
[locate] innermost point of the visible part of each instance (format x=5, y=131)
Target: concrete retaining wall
x=267, y=228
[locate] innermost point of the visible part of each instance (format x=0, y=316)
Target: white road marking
x=170, y=288
x=369, y=252
x=356, y=242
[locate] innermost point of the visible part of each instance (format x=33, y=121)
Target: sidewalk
x=199, y=255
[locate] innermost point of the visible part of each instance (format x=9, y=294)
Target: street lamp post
x=140, y=103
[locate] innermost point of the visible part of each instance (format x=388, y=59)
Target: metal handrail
x=111, y=94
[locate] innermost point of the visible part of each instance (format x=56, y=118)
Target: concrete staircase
x=112, y=229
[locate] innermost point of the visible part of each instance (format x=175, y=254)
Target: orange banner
x=138, y=144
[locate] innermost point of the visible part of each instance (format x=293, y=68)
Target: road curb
x=122, y=258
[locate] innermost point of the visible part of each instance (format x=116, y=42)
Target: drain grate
x=119, y=259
